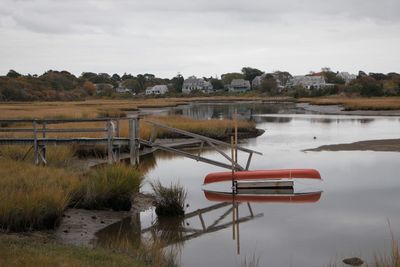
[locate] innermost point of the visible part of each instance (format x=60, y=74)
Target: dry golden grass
x=213, y=128
x=18, y=251
x=358, y=103
x=33, y=197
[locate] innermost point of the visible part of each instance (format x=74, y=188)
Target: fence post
x=133, y=135
x=43, y=148
x=109, y=142
x=35, y=143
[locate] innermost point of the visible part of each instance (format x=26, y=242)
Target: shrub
x=109, y=187
x=170, y=201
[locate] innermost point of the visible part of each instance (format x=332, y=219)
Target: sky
x=199, y=37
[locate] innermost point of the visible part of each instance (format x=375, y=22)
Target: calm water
x=360, y=193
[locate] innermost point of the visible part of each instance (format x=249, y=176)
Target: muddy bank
x=340, y=110
x=79, y=226
x=385, y=145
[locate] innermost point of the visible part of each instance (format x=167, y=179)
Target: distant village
x=63, y=85
x=283, y=81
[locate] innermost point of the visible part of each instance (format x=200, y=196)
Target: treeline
x=64, y=86
x=367, y=85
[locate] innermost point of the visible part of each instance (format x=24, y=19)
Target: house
x=347, y=77
x=281, y=78
x=239, y=85
x=257, y=81
x=308, y=82
x=122, y=90
x=157, y=90
x=193, y=83
x=104, y=88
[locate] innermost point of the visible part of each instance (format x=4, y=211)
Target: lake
x=360, y=192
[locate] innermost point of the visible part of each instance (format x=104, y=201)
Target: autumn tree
x=89, y=87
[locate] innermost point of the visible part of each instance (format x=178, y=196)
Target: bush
x=170, y=201
x=109, y=187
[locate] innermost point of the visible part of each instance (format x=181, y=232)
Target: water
x=360, y=192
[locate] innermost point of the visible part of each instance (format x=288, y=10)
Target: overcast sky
x=201, y=37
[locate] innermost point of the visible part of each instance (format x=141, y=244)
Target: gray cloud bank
x=201, y=37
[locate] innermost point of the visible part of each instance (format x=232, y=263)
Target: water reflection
x=361, y=192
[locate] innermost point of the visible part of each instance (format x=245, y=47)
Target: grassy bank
x=109, y=187
x=33, y=197
x=357, y=103
x=214, y=128
x=18, y=251
x=101, y=107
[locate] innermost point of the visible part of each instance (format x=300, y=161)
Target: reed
x=170, y=201
x=109, y=187
x=33, y=197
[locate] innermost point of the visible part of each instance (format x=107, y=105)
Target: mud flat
x=339, y=110
x=385, y=145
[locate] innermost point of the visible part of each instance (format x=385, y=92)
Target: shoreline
x=380, y=145
x=340, y=110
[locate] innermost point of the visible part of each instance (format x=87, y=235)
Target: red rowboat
x=262, y=174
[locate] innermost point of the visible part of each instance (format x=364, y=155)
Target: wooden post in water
x=236, y=136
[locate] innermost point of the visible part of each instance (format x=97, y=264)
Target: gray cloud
x=199, y=36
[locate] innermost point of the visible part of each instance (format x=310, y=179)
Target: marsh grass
x=111, y=113
x=358, y=103
x=32, y=197
x=252, y=261
x=170, y=201
x=17, y=251
x=109, y=187
x=56, y=156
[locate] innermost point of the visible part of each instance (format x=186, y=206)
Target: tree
x=177, y=83
x=132, y=84
x=331, y=77
x=115, y=77
x=13, y=74
x=89, y=87
x=228, y=77
x=216, y=83
x=251, y=73
x=370, y=87
x=127, y=76
x=269, y=85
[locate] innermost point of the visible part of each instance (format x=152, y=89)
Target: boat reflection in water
x=253, y=195
x=172, y=233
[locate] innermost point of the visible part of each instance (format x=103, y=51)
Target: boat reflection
x=264, y=196
x=256, y=196
x=129, y=233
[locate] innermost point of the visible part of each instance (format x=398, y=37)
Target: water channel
x=360, y=193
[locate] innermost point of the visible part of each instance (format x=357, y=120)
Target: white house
x=157, y=90
x=309, y=82
x=347, y=77
x=239, y=85
x=193, y=83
